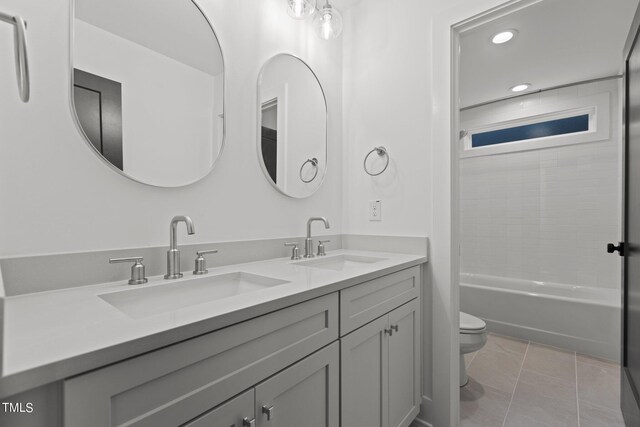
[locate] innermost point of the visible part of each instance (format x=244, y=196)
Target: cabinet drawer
x=367, y=301
x=230, y=414
x=171, y=386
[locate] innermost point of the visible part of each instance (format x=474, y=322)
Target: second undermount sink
x=171, y=296
x=340, y=262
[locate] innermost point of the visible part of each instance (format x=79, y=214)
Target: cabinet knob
x=394, y=328
x=246, y=422
x=388, y=331
x=268, y=411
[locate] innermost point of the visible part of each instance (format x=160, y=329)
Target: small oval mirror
x=148, y=88
x=292, y=126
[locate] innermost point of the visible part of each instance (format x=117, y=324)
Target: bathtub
x=578, y=318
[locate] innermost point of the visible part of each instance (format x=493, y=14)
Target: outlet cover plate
x=375, y=210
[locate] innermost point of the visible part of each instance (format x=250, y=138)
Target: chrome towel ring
x=381, y=151
x=314, y=162
x=22, y=62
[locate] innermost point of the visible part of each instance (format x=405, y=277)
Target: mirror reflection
x=292, y=118
x=148, y=83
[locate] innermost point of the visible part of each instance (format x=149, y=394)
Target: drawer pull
x=246, y=422
x=268, y=411
x=388, y=331
x=394, y=328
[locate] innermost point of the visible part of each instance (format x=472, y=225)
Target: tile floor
x=519, y=383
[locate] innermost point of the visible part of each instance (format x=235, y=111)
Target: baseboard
x=423, y=417
x=420, y=423
x=554, y=339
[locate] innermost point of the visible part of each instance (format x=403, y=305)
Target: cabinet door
x=404, y=364
x=171, y=386
x=364, y=364
x=306, y=394
x=238, y=412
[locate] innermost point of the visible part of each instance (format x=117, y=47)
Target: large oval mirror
x=292, y=121
x=148, y=87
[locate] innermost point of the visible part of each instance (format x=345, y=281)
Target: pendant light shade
x=301, y=9
x=328, y=22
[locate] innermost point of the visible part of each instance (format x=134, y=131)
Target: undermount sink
x=171, y=296
x=340, y=262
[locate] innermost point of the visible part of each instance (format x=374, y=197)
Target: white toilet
x=473, y=336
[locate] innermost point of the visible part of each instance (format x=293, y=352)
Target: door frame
x=625, y=382
x=456, y=28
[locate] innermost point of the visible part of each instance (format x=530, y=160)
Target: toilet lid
x=471, y=323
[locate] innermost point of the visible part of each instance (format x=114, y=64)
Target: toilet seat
x=471, y=325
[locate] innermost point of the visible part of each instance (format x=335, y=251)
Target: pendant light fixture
x=328, y=22
x=301, y=9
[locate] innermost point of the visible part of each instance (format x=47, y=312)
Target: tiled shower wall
x=544, y=214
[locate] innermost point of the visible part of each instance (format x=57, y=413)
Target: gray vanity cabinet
x=173, y=385
x=404, y=364
x=288, y=368
x=306, y=394
x=364, y=359
x=380, y=378
x=238, y=412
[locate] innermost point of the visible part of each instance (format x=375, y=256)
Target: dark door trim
x=109, y=141
x=630, y=398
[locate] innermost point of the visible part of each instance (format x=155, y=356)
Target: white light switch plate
x=375, y=210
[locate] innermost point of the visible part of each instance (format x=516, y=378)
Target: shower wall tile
x=544, y=214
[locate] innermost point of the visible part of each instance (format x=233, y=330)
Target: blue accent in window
x=536, y=130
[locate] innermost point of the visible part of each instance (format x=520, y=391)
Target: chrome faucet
x=308, y=243
x=173, y=254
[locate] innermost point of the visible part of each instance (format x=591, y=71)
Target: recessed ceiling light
x=520, y=87
x=503, y=36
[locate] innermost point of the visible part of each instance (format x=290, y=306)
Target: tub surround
x=581, y=319
x=57, y=334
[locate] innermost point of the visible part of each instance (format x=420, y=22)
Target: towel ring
x=314, y=162
x=22, y=62
x=381, y=151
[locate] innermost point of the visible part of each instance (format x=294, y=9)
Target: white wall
x=547, y=214
x=56, y=194
x=386, y=81
x=397, y=93
x=168, y=130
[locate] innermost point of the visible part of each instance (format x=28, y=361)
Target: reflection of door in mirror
x=270, y=137
x=292, y=119
x=99, y=107
x=169, y=65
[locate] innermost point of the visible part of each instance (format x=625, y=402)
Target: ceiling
x=559, y=42
x=172, y=28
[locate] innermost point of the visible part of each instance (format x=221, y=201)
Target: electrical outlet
x=375, y=210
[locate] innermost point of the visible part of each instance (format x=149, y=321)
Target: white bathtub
x=579, y=318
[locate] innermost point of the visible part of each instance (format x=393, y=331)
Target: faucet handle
x=295, y=252
x=321, y=251
x=137, y=269
x=201, y=262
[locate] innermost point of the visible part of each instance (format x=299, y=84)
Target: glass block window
x=562, y=126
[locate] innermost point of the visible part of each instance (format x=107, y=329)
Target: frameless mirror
x=148, y=87
x=292, y=126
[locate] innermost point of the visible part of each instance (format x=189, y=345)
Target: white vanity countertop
x=53, y=335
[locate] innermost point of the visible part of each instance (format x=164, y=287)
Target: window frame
x=596, y=106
